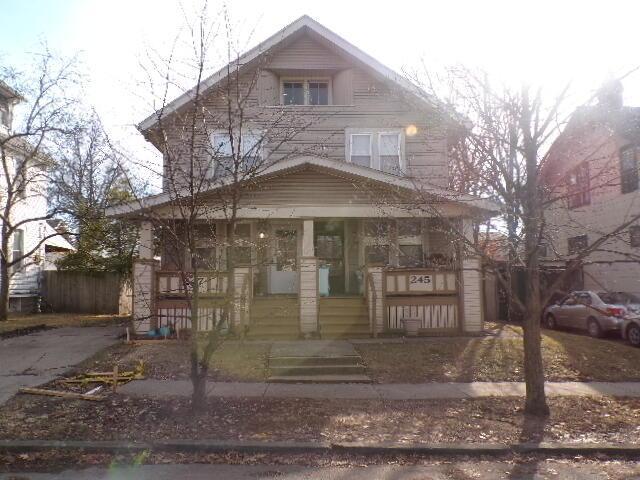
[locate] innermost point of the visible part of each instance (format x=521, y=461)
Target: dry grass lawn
x=18, y=321
x=567, y=357
x=232, y=361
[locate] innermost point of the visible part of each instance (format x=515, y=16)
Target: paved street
x=34, y=359
x=483, y=470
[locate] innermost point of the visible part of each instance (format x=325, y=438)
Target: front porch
x=315, y=278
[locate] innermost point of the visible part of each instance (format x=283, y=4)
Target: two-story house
x=591, y=171
x=37, y=237
x=347, y=230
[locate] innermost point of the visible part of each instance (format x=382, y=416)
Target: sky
x=541, y=42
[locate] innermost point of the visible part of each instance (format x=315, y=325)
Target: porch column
x=471, y=285
x=308, y=282
x=375, y=298
x=242, y=294
x=144, y=281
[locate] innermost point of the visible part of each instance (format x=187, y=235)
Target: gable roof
x=329, y=166
x=304, y=22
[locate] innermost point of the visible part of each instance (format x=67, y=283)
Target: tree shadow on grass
x=532, y=433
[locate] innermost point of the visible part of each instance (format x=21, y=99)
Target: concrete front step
x=319, y=360
x=315, y=370
x=320, y=379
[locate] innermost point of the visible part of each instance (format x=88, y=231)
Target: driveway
x=40, y=357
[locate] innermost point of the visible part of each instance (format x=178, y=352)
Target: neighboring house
x=593, y=168
x=324, y=252
x=24, y=286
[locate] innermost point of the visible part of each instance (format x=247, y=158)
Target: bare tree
x=42, y=111
x=213, y=151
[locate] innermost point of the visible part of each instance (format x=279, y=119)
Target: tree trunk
x=536, y=401
x=4, y=277
x=198, y=373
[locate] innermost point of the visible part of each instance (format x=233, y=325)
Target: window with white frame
x=361, y=149
x=18, y=249
x=389, y=150
x=376, y=148
x=305, y=92
x=247, y=147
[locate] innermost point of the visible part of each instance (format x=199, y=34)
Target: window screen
x=361, y=149
x=293, y=93
x=390, y=153
x=318, y=93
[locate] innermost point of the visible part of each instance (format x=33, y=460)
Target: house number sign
x=420, y=282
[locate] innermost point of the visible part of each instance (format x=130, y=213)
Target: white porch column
x=144, y=281
x=242, y=294
x=375, y=298
x=308, y=281
x=471, y=278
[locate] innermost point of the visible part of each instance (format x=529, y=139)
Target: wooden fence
x=76, y=292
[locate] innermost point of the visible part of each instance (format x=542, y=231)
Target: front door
x=329, y=243
x=283, y=272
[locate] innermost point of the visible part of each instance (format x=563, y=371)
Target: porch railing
x=180, y=284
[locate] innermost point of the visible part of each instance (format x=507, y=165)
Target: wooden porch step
x=315, y=370
x=311, y=361
x=320, y=379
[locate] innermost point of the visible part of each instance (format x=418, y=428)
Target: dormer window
x=305, y=91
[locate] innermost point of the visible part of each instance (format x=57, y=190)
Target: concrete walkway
x=394, y=391
x=40, y=357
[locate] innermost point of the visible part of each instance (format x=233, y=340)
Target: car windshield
x=618, y=297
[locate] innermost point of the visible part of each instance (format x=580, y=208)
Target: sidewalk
x=393, y=391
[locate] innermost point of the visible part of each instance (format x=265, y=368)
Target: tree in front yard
x=212, y=151
x=502, y=157
x=44, y=106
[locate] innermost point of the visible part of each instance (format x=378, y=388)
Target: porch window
x=361, y=149
x=378, y=254
x=377, y=228
x=628, y=169
x=205, y=242
x=410, y=256
x=409, y=228
x=390, y=153
x=634, y=236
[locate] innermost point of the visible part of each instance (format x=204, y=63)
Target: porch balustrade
x=180, y=284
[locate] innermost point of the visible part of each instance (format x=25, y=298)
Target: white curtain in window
x=390, y=152
x=361, y=149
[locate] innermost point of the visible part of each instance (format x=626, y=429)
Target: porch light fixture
x=411, y=130
x=261, y=235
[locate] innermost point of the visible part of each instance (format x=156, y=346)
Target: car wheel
x=593, y=327
x=633, y=335
x=551, y=322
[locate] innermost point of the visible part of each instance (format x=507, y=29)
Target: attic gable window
x=628, y=169
x=305, y=92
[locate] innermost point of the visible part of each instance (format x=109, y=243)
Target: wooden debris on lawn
x=112, y=379
x=62, y=394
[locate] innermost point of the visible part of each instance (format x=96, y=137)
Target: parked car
x=595, y=312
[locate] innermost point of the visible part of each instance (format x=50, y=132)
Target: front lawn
x=567, y=357
x=499, y=420
x=20, y=321
x=231, y=362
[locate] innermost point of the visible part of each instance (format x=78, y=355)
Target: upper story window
x=578, y=187
x=375, y=148
x=634, y=236
x=246, y=148
x=305, y=92
x=629, y=169
x=18, y=249
x=5, y=114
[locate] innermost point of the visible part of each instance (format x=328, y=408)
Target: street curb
x=220, y=446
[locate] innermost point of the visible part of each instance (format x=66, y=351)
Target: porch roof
x=427, y=193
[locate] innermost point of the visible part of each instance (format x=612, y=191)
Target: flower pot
x=411, y=326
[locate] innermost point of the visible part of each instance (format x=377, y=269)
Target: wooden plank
x=62, y=394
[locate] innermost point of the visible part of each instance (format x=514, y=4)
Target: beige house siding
x=360, y=101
